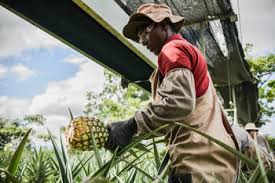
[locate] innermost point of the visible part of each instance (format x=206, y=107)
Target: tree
x=263, y=69
x=271, y=141
x=35, y=119
x=9, y=130
x=12, y=129
x=115, y=102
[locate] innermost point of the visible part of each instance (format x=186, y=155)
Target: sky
x=41, y=75
x=256, y=20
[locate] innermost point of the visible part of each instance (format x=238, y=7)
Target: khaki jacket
x=175, y=101
x=267, y=154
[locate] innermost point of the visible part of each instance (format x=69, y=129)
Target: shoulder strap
x=229, y=129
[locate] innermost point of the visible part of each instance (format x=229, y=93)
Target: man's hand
x=120, y=134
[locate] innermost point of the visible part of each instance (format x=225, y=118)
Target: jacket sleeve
x=263, y=142
x=243, y=138
x=177, y=100
x=267, y=158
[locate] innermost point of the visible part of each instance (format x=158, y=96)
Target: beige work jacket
x=175, y=101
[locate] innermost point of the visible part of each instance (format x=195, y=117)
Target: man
x=183, y=92
x=247, y=146
x=261, y=140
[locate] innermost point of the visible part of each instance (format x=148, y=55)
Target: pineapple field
x=140, y=161
x=78, y=154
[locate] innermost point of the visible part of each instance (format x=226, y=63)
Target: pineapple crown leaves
x=71, y=114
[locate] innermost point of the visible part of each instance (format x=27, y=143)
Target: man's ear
x=164, y=26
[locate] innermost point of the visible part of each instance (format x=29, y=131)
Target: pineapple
x=79, y=133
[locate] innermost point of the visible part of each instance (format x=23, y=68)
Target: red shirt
x=177, y=53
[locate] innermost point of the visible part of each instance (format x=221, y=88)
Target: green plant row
x=135, y=163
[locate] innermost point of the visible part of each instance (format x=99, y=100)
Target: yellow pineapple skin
x=79, y=133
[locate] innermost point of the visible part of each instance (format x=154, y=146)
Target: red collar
x=174, y=37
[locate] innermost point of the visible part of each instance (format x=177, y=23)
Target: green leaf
x=39, y=169
x=127, y=148
x=63, y=164
x=242, y=177
x=71, y=114
x=132, y=152
x=14, y=163
x=106, y=171
x=164, y=164
x=5, y=158
x=132, y=178
x=255, y=176
x=142, y=147
x=97, y=155
x=10, y=177
x=77, y=169
x=260, y=162
x=82, y=167
x=54, y=163
x=156, y=155
x=128, y=167
x=162, y=171
x=66, y=161
x=140, y=170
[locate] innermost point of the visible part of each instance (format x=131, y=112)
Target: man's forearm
x=177, y=100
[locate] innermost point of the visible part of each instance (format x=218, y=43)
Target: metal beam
x=67, y=22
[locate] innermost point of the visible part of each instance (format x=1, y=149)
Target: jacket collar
x=174, y=37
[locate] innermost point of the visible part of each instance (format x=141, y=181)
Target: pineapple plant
x=79, y=133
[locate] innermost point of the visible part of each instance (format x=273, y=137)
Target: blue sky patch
x=48, y=65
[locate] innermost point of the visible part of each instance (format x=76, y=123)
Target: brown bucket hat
x=151, y=12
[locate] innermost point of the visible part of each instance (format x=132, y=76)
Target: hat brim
x=137, y=20
x=252, y=129
x=130, y=30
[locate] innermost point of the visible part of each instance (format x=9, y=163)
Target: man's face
x=153, y=37
x=252, y=133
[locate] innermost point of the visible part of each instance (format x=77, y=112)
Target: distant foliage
x=114, y=102
x=9, y=131
x=35, y=119
x=12, y=129
x=263, y=69
x=271, y=141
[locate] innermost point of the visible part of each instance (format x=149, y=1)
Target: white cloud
x=3, y=71
x=58, y=96
x=13, y=107
x=22, y=72
x=268, y=128
x=69, y=93
x=55, y=122
x=74, y=60
x=17, y=35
